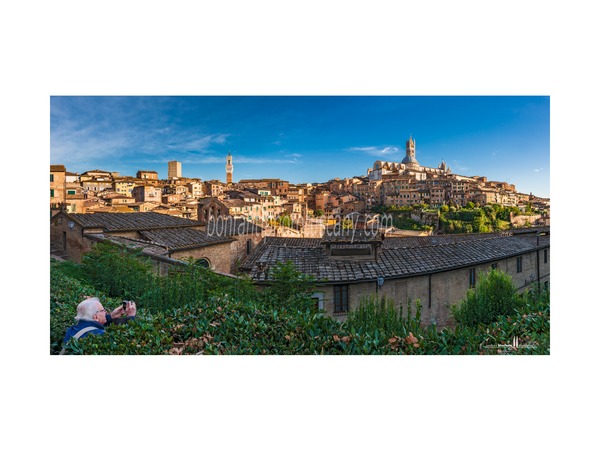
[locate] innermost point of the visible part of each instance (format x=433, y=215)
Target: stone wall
x=438, y=291
x=222, y=257
x=522, y=220
x=218, y=255
x=238, y=249
x=69, y=238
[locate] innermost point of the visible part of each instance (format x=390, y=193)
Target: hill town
x=349, y=234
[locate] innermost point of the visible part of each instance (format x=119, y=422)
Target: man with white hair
x=91, y=318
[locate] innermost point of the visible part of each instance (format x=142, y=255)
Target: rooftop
x=182, y=238
x=400, y=257
x=229, y=226
x=130, y=221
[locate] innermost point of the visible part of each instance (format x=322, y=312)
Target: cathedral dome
x=410, y=160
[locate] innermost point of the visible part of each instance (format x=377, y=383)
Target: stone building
x=407, y=183
x=195, y=188
x=173, y=170
x=222, y=248
x=245, y=238
x=275, y=186
x=437, y=270
x=125, y=185
x=147, y=193
x=147, y=175
x=69, y=231
x=212, y=207
x=229, y=169
x=57, y=187
x=213, y=188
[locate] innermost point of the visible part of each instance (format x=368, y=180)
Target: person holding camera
x=92, y=317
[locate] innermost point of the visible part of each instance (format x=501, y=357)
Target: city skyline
x=305, y=138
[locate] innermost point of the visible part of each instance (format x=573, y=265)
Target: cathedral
x=408, y=166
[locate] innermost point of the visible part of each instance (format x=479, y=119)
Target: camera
x=124, y=305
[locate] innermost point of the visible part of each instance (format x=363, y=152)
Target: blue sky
x=304, y=138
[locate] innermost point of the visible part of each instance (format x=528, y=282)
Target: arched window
x=202, y=262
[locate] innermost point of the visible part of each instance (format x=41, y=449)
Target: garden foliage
x=494, y=296
x=194, y=311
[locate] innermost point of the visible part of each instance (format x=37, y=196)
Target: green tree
x=285, y=221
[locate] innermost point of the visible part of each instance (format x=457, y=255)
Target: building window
x=202, y=262
x=519, y=264
x=51, y=193
x=340, y=294
x=317, y=297
x=495, y=266
x=471, y=278
x=248, y=246
x=51, y=177
x=545, y=256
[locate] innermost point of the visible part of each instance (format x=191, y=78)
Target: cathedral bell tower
x=410, y=147
x=229, y=168
x=410, y=159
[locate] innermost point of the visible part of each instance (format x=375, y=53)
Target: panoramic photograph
x=300, y=225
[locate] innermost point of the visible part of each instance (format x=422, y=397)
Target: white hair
x=87, y=308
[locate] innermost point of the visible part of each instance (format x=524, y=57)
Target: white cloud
x=388, y=151
x=457, y=166
x=538, y=170
x=244, y=160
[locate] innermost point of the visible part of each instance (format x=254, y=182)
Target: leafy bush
x=65, y=294
x=375, y=313
x=126, y=273
x=219, y=315
x=290, y=289
x=493, y=296
x=117, y=270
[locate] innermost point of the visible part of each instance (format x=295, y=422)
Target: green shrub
x=220, y=315
x=493, y=296
x=290, y=288
x=65, y=294
x=380, y=314
x=118, y=271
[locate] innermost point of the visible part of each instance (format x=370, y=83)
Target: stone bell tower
x=411, y=147
x=229, y=168
x=410, y=159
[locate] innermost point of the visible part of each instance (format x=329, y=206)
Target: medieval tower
x=229, y=168
x=174, y=170
x=411, y=150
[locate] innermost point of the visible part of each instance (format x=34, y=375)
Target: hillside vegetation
x=452, y=219
x=194, y=311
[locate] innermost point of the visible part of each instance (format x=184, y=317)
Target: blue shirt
x=80, y=325
x=99, y=328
